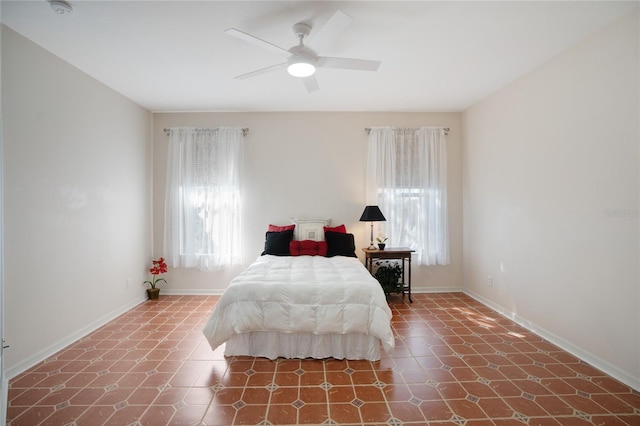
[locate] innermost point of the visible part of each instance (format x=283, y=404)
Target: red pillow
x=308, y=248
x=276, y=228
x=342, y=229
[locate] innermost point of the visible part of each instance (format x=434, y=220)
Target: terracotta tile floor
x=456, y=363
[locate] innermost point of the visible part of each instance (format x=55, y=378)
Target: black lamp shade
x=372, y=214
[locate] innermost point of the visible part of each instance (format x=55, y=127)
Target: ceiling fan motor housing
x=302, y=62
x=301, y=29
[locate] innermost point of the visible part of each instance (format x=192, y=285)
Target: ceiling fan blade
x=257, y=41
x=320, y=39
x=347, y=63
x=310, y=83
x=261, y=71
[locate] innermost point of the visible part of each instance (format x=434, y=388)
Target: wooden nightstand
x=399, y=253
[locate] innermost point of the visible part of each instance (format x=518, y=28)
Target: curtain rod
x=446, y=129
x=244, y=131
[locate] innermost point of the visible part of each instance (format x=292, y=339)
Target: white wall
x=307, y=164
x=551, y=190
x=3, y=379
x=77, y=198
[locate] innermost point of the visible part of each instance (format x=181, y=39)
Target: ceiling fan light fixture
x=300, y=66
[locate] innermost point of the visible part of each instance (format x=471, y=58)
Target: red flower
x=159, y=267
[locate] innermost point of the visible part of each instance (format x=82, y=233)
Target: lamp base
x=371, y=246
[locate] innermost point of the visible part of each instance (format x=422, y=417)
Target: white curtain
x=203, y=209
x=407, y=179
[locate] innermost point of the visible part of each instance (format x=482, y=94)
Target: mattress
x=303, y=306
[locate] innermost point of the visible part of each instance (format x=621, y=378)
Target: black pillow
x=340, y=244
x=277, y=243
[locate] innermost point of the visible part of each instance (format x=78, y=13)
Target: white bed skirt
x=273, y=344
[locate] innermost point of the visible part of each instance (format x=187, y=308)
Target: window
x=407, y=179
x=203, y=210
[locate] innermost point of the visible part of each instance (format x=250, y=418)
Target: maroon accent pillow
x=342, y=229
x=308, y=248
x=276, y=228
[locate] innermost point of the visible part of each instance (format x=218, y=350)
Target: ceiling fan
x=302, y=60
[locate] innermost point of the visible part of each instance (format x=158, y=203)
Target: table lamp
x=372, y=214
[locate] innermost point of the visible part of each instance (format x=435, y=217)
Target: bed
x=312, y=299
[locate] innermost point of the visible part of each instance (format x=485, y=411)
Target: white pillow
x=309, y=229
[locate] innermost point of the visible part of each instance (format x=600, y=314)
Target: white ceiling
x=436, y=56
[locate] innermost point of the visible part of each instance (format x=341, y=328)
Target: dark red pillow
x=342, y=229
x=276, y=228
x=308, y=248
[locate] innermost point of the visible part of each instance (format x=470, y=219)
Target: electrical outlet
x=128, y=283
x=490, y=281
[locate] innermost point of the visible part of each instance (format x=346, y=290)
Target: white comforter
x=314, y=294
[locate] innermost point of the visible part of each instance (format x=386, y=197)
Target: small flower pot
x=381, y=246
x=153, y=293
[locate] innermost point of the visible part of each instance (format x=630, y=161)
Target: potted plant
x=388, y=275
x=381, y=239
x=159, y=267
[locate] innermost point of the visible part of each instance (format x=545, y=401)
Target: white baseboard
x=49, y=351
x=212, y=292
x=218, y=292
x=578, y=352
x=423, y=290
